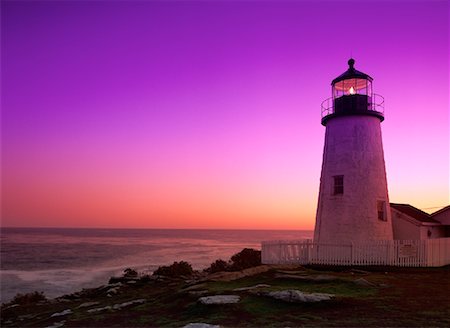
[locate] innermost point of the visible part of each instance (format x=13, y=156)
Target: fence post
x=308, y=251
x=279, y=252
x=351, y=254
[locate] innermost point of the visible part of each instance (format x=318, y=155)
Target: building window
x=381, y=209
x=338, y=185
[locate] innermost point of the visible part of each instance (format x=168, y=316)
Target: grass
x=412, y=298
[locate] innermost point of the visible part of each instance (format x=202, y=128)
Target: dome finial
x=351, y=62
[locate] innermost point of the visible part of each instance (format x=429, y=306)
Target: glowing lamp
x=352, y=95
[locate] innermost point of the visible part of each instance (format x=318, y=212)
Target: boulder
x=198, y=292
x=118, y=306
x=57, y=324
x=117, y=284
x=363, y=282
x=87, y=304
x=200, y=325
x=113, y=291
x=60, y=314
x=26, y=317
x=129, y=303
x=100, y=309
x=296, y=296
x=234, y=275
x=219, y=299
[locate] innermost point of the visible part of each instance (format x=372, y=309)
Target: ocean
x=58, y=261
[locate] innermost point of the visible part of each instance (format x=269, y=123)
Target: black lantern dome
x=352, y=95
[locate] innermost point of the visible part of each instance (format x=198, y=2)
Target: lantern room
x=352, y=94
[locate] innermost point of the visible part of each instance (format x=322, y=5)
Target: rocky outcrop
x=297, y=296
x=87, y=304
x=364, y=283
x=60, y=314
x=57, y=324
x=234, y=275
x=198, y=292
x=100, y=309
x=200, y=325
x=219, y=299
x=117, y=306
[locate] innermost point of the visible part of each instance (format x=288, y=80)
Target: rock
x=296, y=296
x=219, y=299
x=87, y=304
x=117, y=284
x=250, y=288
x=26, y=317
x=101, y=309
x=129, y=303
x=57, y=324
x=359, y=271
x=60, y=314
x=363, y=282
x=200, y=325
x=11, y=306
x=112, y=291
x=131, y=282
x=198, y=292
x=119, y=306
x=229, y=276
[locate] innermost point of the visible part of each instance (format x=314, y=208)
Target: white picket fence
x=407, y=253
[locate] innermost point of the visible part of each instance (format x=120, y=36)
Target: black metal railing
x=375, y=104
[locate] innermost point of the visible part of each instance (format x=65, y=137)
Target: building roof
x=351, y=73
x=446, y=208
x=413, y=212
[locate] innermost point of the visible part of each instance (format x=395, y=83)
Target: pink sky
x=206, y=114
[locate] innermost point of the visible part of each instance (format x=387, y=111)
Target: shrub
x=177, y=269
x=246, y=258
x=145, y=278
x=218, y=266
x=28, y=299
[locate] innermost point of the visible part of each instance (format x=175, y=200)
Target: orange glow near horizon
x=184, y=114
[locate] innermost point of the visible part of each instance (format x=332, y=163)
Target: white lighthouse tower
x=353, y=198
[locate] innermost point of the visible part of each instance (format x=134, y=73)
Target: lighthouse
x=353, y=203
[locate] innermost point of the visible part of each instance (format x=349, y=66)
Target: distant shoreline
x=179, y=229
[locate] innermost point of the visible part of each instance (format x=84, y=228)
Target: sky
x=206, y=114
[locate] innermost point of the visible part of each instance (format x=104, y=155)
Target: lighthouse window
x=381, y=208
x=338, y=185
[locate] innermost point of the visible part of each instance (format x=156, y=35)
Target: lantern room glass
x=351, y=87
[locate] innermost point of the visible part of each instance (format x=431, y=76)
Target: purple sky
x=207, y=114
